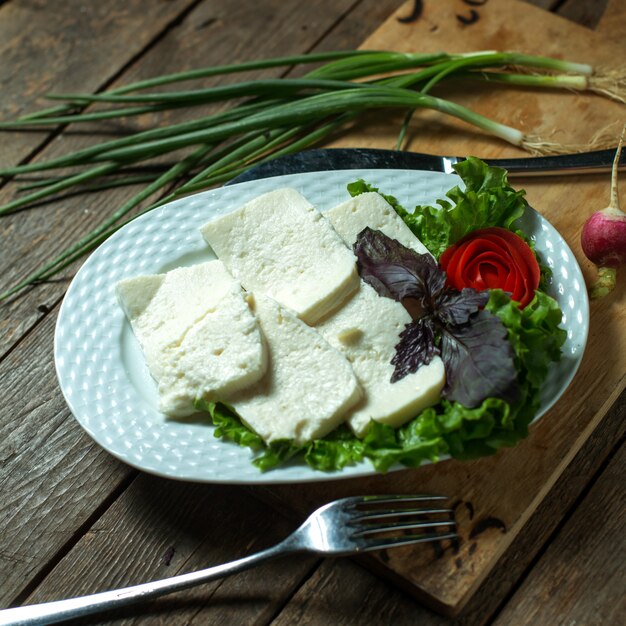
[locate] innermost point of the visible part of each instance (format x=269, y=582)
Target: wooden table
x=73, y=520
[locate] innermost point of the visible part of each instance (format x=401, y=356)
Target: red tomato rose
x=493, y=258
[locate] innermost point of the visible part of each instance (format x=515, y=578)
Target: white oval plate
x=101, y=369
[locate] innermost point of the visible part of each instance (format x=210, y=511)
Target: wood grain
x=53, y=477
x=344, y=594
x=584, y=13
x=547, y=5
x=367, y=600
x=537, y=533
x=76, y=46
x=558, y=116
x=580, y=578
x=55, y=517
x=613, y=20
x=159, y=528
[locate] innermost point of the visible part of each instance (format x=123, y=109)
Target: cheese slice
x=280, y=245
x=367, y=328
x=198, y=335
x=371, y=209
x=308, y=387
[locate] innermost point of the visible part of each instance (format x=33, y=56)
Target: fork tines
x=376, y=527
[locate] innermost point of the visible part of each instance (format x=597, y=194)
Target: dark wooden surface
x=73, y=520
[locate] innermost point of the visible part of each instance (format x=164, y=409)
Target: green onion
x=60, y=185
x=270, y=117
x=94, y=116
x=302, y=111
x=558, y=81
x=78, y=249
x=263, y=87
x=207, y=72
x=86, y=154
x=225, y=174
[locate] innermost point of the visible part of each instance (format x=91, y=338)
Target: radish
x=603, y=237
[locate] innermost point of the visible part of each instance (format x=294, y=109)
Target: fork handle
x=52, y=612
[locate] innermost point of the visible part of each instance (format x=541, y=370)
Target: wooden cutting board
x=495, y=497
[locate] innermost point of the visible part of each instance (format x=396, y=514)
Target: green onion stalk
x=267, y=118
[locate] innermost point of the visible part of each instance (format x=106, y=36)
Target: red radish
x=603, y=237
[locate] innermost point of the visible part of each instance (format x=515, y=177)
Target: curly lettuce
x=486, y=200
x=450, y=427
x=333, y=452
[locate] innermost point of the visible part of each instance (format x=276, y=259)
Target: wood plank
x=53, y=477
x=580, y=578
x=342, y=593
x=505, y=490
x=489, y=493
x=47, y=453
x=579, y=417
x=160, y=528
x=582, y=12
x=538, y=112
x=537, y=532
x=69, y=48
x=547, y=5
x=355, y=25
x=613, y=19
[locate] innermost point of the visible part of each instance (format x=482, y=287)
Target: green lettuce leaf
x=277, y=453
x=335, y=451
x=450, y=427
x=360, y=186
x=409, y=445
x=533, y=331
x=228, y=425
x=487, y=200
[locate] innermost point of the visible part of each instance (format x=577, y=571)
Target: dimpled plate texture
x=101, y=369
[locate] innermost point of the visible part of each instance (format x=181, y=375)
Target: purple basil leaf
x=395, y=271
x=390, y=280
x=478, y=359
x=455, y=307
x=416, y=348
x=474, y=346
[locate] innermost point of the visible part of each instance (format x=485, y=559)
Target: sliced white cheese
x=371, y=209
x=198, y=335
x=280, y=245
x=367, y=328
x=308, y=388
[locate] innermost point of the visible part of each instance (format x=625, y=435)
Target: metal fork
x=347, y=526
